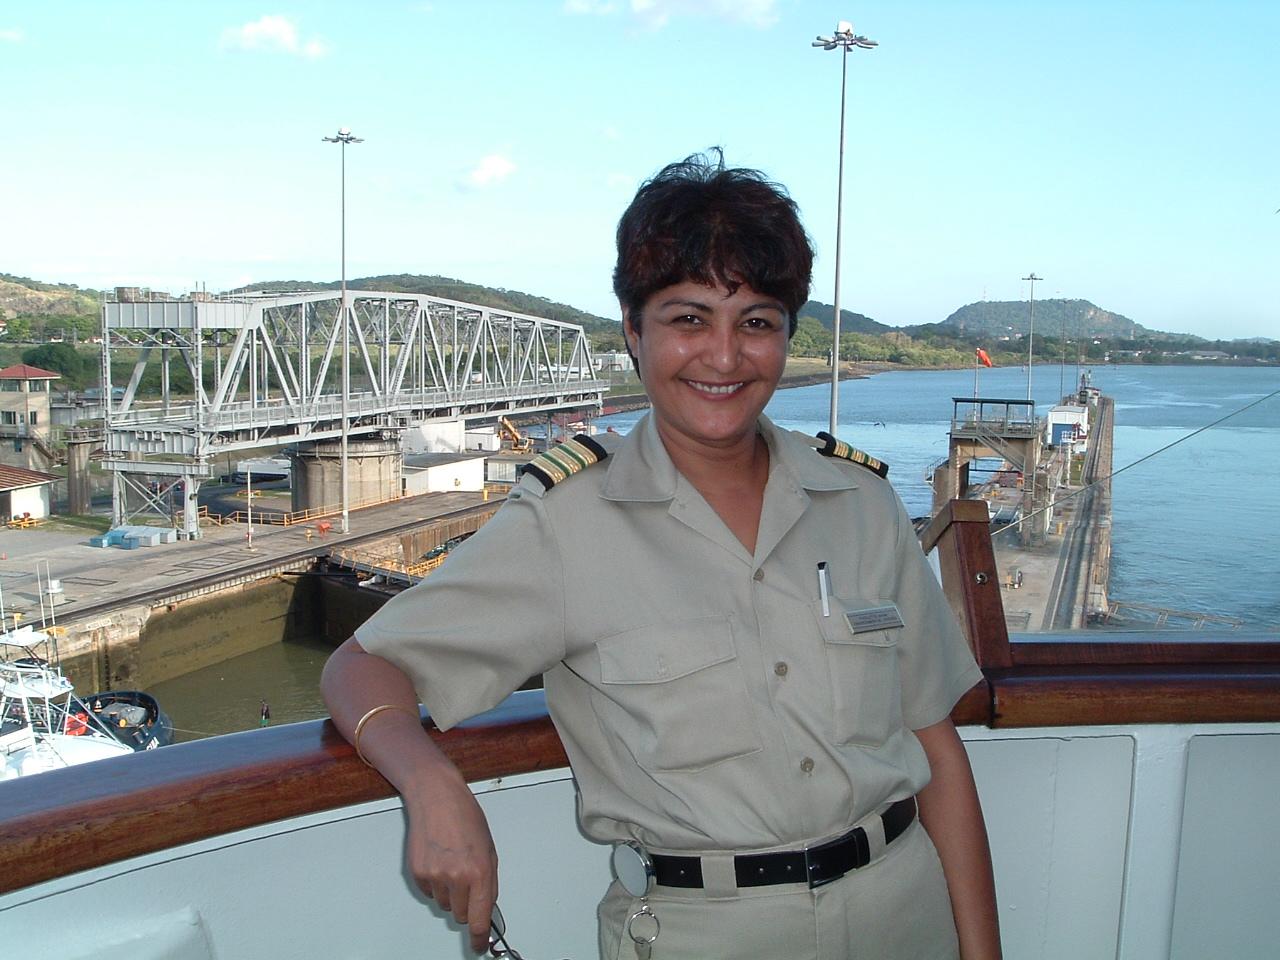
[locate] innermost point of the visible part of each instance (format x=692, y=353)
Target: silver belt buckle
x=633, y=867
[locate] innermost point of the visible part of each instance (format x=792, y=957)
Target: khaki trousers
x=895, y=908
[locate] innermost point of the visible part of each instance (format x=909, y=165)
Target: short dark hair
x=699, y=221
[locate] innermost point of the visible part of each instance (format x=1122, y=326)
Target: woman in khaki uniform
x=745, y=654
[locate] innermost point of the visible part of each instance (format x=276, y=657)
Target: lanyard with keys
x=498, y=946
x=634, y=870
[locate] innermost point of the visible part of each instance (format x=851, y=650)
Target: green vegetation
x=73, y=521
x=61, y=358
x=850, y=322
x=1069, y=318
x=37, y=312
x=450, y=289
x=19, y=329
x=79, y=366
x=813, y=340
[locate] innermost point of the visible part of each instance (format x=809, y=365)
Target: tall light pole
x=844, y=40
x=1031, y=332
x=344, y=137
x=1062, y=367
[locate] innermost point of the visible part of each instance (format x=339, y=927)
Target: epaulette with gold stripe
x=831, y=447
x=560, y=463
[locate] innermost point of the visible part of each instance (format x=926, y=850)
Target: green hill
x=451, y=289
x=850, y=322
x=23, y=297
x=1074, y=318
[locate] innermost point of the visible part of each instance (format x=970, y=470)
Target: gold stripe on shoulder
x=829, y=446
x=562, y=462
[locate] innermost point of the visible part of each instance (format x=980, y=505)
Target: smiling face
x=710, y=360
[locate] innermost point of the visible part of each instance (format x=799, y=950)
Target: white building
x=24, y=494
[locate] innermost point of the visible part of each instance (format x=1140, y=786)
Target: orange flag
x=982, y=355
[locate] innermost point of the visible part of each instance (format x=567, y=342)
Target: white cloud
x=491, y=169
x=11, y=35
x=656, y=14
x=275, y=34
x=617, y=180
x=752, y=13
x=590, y=6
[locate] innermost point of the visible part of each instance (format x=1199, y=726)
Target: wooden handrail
x=1129, y=694
x=961, y=534
x=63, y=821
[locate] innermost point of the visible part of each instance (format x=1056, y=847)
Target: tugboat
x=132, y=717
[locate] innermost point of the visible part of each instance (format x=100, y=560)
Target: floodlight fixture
x=344, y=137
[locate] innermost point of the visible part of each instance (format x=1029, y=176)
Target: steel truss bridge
x=263, y=370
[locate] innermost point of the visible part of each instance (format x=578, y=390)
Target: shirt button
x=780, y=668
x=806, y=765
x=758, y=576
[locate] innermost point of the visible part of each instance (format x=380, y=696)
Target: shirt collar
x=641, y=469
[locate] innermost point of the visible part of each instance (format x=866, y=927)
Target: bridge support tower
x=373, y=473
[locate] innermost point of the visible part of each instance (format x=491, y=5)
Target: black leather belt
x=816, y=865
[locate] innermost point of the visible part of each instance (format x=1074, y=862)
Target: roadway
x=97, y=579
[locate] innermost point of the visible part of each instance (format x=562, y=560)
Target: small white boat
x=43, y=725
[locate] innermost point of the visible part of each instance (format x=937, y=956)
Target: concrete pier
x=1051, y=512
x=1059, y=582
x=79, y=491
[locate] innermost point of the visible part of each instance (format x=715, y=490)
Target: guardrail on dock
x=429, y=547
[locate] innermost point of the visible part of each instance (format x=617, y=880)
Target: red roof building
x=24, y=371
x=24, y=494
x=14, y=478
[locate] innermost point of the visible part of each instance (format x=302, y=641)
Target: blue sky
x=1126, y=152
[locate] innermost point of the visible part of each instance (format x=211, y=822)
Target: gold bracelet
x=355, y=737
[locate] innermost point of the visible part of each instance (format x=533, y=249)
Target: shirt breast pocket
x=866, y=690
x=675, y=697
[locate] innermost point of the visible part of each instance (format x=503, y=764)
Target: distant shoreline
x=863, y=370
x=859, y=371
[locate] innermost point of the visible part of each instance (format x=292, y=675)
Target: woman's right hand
x=451, y=856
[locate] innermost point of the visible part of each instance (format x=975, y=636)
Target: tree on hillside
x=18, y=329
x=61, y=358
x=811, y=339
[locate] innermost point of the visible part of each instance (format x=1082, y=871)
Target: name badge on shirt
x=874, y=618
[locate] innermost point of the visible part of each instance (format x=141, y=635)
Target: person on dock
x=747, y=658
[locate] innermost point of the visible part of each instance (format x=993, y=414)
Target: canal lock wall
x=140, y=645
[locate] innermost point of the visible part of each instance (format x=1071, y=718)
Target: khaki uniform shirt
x=704, y=699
